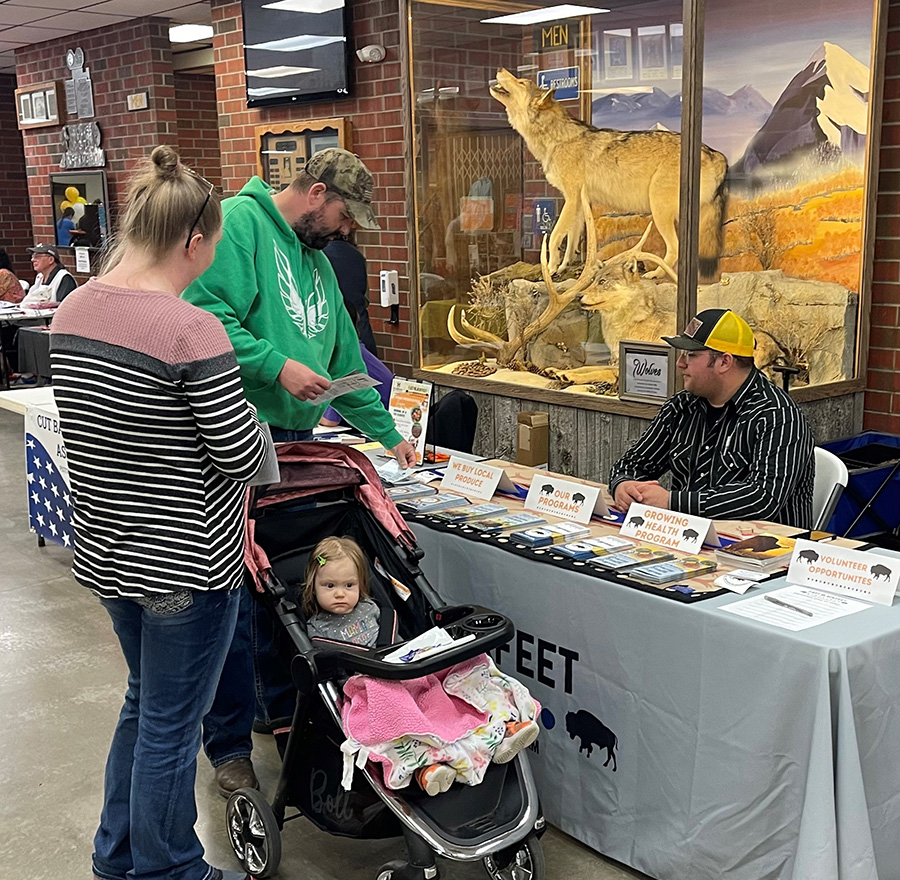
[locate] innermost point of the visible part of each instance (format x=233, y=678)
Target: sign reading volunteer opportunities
x=868, y=576
x=564, y=81
x=668, y=528
x=410, y=402
x=47, y=473
x=471, y=478
x=574, y=501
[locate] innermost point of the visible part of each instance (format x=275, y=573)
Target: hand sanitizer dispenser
x=389, y=295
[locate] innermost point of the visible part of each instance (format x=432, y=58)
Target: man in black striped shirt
x=736, y=445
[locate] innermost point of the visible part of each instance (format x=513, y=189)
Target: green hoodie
x=279, y=299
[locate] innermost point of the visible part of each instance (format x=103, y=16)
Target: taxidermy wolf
x=628, y=171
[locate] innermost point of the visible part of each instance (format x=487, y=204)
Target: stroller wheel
x=400, y=870
x=522, y=862
x=253, y=832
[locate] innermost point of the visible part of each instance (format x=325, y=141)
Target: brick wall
x=882, y=399
x=375, y=113
x=198, y=124
x=133, y=56
x=15, y=216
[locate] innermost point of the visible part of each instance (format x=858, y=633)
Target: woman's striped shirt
x=159, y=440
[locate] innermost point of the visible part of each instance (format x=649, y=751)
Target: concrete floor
x=62, y=678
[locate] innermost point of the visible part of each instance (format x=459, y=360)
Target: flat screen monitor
x=295, y=50
x=80, y=203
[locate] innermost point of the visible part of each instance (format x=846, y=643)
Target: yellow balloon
x=72, y=193
x=65, y=203
x=81, y=200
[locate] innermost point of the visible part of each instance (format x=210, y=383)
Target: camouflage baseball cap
x=344, y=173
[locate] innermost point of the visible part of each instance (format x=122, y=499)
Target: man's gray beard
x=309, y=229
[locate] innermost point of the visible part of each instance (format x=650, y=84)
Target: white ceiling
x=25, y=22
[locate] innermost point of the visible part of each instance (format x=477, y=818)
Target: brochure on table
x=471, y=478
x=795, y=608
x=410, y=403
x=668, y=528
x=565, y=499
x=868, y=576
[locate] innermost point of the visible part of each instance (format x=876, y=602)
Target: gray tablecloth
x=34, y=351
x=742, y=751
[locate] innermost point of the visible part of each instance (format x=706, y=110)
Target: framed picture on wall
x=617, y=54
x=652, y=46
x=38, y=105
x=282, y=150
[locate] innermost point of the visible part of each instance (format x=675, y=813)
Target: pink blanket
x=378, y=711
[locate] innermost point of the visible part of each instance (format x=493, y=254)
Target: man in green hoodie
x=277, y=296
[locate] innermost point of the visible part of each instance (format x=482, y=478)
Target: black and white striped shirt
x=159, y=440
x=755, y=462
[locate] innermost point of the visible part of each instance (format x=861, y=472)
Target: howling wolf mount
x=629, y=171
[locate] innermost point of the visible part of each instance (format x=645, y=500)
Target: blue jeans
x=283, y=435
x=174, y=660
x=256, y=681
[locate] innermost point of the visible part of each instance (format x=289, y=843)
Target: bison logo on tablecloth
x=592, y=731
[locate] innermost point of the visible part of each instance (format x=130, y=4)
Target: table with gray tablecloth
x=720, y=748
x=34, y=351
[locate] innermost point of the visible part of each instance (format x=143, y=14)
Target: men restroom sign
x=565, y=81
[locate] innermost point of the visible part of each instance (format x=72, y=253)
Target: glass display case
x=534, y=129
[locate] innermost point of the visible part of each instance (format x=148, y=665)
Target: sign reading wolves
x=636, y=171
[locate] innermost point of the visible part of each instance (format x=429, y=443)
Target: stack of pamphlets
x=676, y=570
x=595, y=547
x=432, y=641
x=506, y=521
x=432, y=503
x=412, y=490
x=558, y=533
x=763, y=552
x=465, y=514
x=631, y=558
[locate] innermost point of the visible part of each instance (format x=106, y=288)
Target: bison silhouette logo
x=808, y=556
x=636, y=521
x=578, y=498
x=546, y=489
x=879, y=571
x=690, y=534
x=592, y=732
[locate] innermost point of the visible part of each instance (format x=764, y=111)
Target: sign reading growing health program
x=668, y=528
x=564, y=81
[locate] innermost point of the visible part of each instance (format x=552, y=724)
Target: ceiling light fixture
x=312, y=7
x=296, y=44
x=281, y=70
x=190, y=33
x=548, y=13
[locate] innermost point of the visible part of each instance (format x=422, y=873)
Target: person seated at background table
x=736, y=445
x=10, y=287
x=53, y=282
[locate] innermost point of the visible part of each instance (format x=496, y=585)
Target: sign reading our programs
x=863, y=575
x=574, y=501
x=668, y=528
x=471, y=478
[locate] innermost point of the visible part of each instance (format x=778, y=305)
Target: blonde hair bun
x=165, y=160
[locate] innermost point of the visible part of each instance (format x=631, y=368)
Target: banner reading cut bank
x=47, y=473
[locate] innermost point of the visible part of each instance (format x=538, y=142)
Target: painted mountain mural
x=824, y=108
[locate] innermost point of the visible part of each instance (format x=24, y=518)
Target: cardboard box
x=533, y=440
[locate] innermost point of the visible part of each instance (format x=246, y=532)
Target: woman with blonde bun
x=160, y=442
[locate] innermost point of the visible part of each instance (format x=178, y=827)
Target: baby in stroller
x=437, y=729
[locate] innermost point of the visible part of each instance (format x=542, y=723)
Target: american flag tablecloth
x=49, y=498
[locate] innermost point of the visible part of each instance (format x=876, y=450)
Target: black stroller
x=498, y=821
